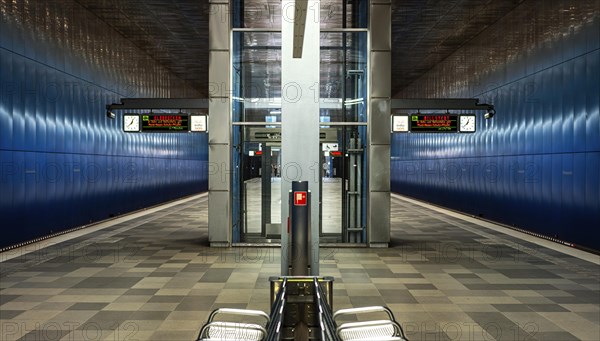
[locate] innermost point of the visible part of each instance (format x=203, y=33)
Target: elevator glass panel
x=268, y=13
x=256, y=104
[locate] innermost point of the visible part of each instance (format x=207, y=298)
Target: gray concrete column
x=219, y=136
x=380, y=31
x=300, y=115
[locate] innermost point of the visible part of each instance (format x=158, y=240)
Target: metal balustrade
x=301, y=309
x=378, y=330
x=228, y=330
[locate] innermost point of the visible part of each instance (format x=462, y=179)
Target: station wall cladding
x=536, y=164
x=63, y=163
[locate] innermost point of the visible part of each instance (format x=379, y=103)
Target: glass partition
x=256, y=119
x=268, y=14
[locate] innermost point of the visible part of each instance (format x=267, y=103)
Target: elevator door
x=260, y=184
x=343, y=188
x=341, y=173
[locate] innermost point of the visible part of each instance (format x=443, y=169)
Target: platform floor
x=151, y=276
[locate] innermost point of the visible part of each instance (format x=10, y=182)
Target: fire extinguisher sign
x=300, y=198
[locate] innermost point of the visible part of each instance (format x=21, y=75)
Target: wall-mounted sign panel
x=198, y=123
x=400, y=124
x=433, y=123
x=327, y=147
x=173, y=123
x=255, y=134
x=165, y=123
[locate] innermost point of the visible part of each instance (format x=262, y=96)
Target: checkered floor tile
x=155, y=278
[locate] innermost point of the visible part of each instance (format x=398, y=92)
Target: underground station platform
x=299, y=170
x=151, y=275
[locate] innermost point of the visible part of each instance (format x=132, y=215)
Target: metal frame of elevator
x=353, y=168
x=353, y=173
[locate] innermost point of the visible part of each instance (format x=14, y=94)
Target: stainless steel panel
x=218, y=27
x=379, y=217
x=381, y=77
x=300, y=122
x=219, y=230
x=379, y=168
x=219, y=167
x=380, y=121
x=219, y=125
x=218, y=74
x=381, y=27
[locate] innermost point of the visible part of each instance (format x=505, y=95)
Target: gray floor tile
x=166, y=299
x=141, y=292
x=107, y=320
x=107, y=282
x=547, y=308
x=149, y=315
x=397, y=296
x=363, y=301
x=420, y=286
x=511, y=307
x=9, y=314
x=45, y=334
x=197, y=303
x=437, y=273
x=88, y=306
x=593, y=317
x=554, y=336
x=216, y=275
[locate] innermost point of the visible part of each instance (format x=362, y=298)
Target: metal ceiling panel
x=175, y=32
x=426, y=32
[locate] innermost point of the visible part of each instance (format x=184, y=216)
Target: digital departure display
x=433, y=123
x=165, y=122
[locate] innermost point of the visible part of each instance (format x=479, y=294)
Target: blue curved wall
x=536, y=164
x=63, y=164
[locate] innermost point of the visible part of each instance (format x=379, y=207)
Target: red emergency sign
x=300, y=198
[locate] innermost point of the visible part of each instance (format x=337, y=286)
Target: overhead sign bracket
x=440, y=104
x=159, y=103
